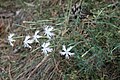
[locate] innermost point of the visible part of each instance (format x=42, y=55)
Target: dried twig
x=44, y=59
x=10, y=76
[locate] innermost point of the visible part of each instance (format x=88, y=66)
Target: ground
x=96, y=40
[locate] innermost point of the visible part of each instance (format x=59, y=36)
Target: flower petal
x=43, y=45
x=11, y=35
x=51, y=28
x=30, y=41
x=67, y=56
x=64, y=48
x=44, y=51
x=36, y=32
x=47, y=44
x=11, y=43
x=37, y=36
x=26, y=38
x=62, y=53
x=71, y=53
x=68, y=49
x=49, y=49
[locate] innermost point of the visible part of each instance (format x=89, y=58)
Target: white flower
x=27, y=42
x=48, y=32
x=36, y=36
x=67, y=52
x=10, y=39
x=45, y=48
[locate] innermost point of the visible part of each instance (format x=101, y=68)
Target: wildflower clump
x=27, y=42
x=66, y=51
x=11, y=39
x=36, y=36
x=48, y=32
x=45, y=46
